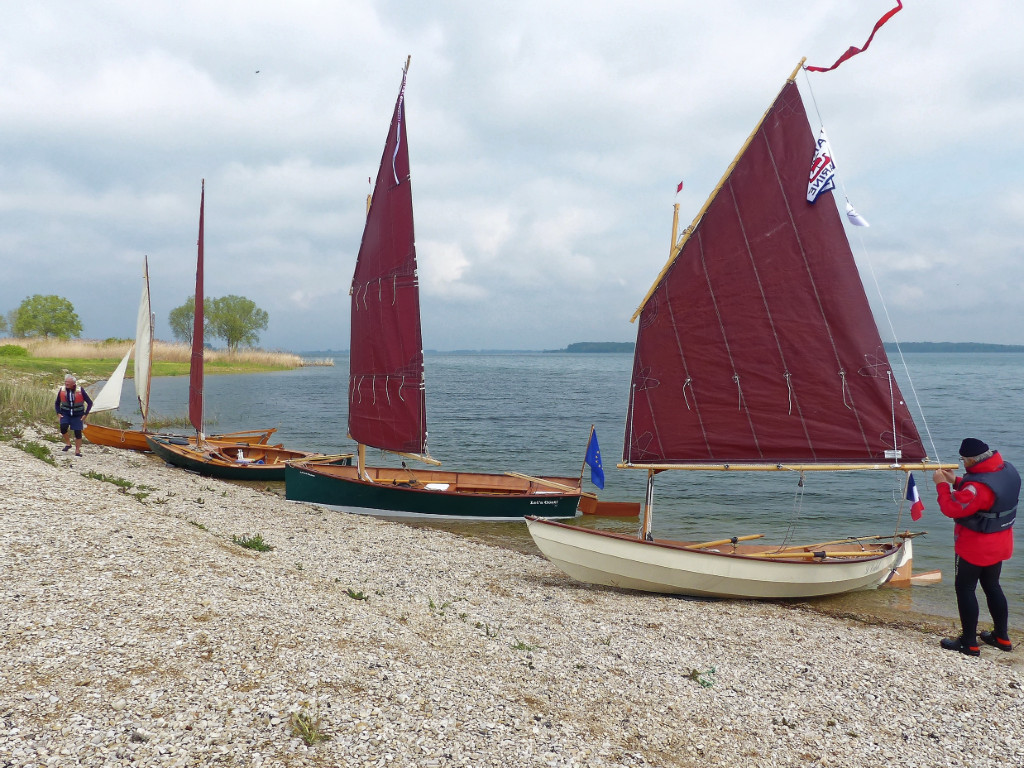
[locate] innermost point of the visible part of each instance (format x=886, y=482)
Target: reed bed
x=79, y=349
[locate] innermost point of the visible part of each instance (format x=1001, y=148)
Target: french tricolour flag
x=916, y=505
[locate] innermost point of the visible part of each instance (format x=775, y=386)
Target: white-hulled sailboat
x=756, y=351
x=109, y=397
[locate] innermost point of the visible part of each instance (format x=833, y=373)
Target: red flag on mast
x=853, y=50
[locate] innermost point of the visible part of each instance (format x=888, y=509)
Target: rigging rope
x=874, y=278
x=798, y=505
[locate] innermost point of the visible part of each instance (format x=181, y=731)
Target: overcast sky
x=546, y=142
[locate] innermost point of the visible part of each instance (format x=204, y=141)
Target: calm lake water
x=532, y=413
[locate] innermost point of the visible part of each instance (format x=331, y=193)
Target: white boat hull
x=615, y=560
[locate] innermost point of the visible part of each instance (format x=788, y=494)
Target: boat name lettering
x=551, y=501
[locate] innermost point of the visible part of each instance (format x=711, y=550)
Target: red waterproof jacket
x=965, y=498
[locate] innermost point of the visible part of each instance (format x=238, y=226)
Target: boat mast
x=645, y=527
x=144, y=406
x=360, y=448
x=195, y=385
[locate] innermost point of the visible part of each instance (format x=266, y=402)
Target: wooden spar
x=675, y=228
x=849, y=540
x=318, y=458
x=149, y=372
x=922, y=466
x=361, y=462
x=427, y=459
x=645, y=528
x=720, y=542
x=862, y=553
x=677, y=247
x=550, y=483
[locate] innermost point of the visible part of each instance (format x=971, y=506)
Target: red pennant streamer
x=853, y=50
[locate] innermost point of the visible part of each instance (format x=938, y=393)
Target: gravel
x=138, y=631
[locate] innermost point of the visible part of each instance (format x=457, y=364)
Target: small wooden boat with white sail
x=109, y=397
x=756, y=351
x=386, y=390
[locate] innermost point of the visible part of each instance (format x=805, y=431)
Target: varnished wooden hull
x=430, y=493
x=619, y=560
x=227, y=461
x=135, y=440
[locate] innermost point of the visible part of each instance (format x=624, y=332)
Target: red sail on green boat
x=386, y=390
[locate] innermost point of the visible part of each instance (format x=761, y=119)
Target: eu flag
x=594, y=460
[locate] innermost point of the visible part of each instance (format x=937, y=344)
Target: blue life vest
x=74, y=408
x=1005, y=484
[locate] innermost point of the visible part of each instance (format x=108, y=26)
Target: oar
x=849, y=540
x=551, y=483
x=862, y=553
x=720, y=542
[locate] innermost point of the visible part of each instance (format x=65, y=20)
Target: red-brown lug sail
x=758, y=344
x=387, y=403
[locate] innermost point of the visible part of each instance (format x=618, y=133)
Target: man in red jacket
x=984, y=504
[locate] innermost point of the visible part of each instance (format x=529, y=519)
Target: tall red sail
x=387, y=403
x=758, y=343
x=195, y=378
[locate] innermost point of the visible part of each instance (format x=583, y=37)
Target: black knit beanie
x=971, y=447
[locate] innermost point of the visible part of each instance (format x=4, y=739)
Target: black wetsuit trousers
x=968, y=576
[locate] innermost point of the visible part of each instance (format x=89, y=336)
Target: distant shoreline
x=626, y=347
x=952, y=346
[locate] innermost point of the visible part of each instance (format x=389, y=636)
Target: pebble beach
x=138, y=631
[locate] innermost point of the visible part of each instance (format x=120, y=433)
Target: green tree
x=181, y=319
x=46, y=316
x=236, y=319
x=3, y=324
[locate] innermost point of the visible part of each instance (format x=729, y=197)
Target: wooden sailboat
x=226, y=460
x=387, y=402
x=756, y=350
x=109, y=397
x=222, y=456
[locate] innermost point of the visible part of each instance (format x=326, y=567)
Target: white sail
x=144, y=345
x=109, y=397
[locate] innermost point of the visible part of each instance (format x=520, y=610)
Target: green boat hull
x=398, y=500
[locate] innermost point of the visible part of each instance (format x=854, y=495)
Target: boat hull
x=259, y=462
x=618, y=560
x=131, y=439
x=430, y=493
x=135, y=440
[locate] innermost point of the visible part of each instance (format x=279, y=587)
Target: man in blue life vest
x=72, y=405
x=983, y=504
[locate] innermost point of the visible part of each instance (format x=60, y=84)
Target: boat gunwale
x=117, y=437
x=678, y=546
x=323, y=470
